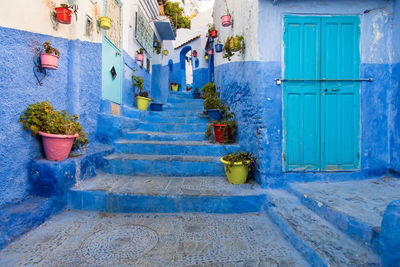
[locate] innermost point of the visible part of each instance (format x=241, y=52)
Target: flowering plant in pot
x=139, y=54
x=60, y=131
x=233, y=45
x=194, y=53
x=212, y=32
x=142, y=97
x=49, y=59
x=237, y=166
x=225, y=129
x=64, y=13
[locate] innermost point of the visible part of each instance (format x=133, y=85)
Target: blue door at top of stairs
x=321, y=118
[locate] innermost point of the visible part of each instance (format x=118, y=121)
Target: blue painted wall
x=159, y=83
x=75, y=86
x=200, y=77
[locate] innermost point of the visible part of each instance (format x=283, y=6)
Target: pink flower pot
x=57, y=146
x=139, y=57
x=49, y=61
x=210, y=52
x=226, y=20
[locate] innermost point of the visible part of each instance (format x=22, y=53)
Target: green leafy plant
x=158, y=48
x=139, y=84
x=243, y=157
x=176, y=14
x=232, y=45
x=140, y=51
x=211, y=97
x=48, y=49
x=42, y=116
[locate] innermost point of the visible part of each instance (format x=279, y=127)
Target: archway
x=186, y=67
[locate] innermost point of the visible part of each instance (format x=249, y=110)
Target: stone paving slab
x=364, y=200
x=163, y=185
x=98, y=239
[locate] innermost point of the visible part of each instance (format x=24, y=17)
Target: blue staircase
x=165, y=165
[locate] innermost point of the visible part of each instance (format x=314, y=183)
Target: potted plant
x=223, y=129
x=156, y=106
x=210, y=52
x=194, y=53
x=105, y=23
x=165, y=52
x=60, y=131
x=64, y=13
x=212, y=101
x=237, y=166
x=232, y=45
x=226, y=20
x=196, y=93
x=212, y=31
x=142, y=98
x=139, y=54
x=174, y=87
x=206, y=56
x=218, y=47
x=49, y=59
x=157, y=46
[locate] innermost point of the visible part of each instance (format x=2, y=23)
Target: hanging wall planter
x=105, y=23
x=165, y=52
x=206, y=57
x=210, y=52
x=49, y=59
x=226, y=20
x=139, y=54
x=174, y=87
x=214, y=33
x=64, y=13
x=218, y=48
x=194, y=53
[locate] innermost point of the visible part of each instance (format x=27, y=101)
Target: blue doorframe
x=321, y=120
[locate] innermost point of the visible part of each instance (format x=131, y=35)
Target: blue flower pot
x=218, y=48
x=156, y=106
x=196, y=95
x=214, y=114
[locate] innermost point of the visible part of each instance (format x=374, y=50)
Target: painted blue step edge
x=309, y=254
x=349, y=225
x=164, y=137
x=166, y=168
x=103, y=202
x=17, y=219
x=111, y=127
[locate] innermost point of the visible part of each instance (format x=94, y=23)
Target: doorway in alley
x=321, y=119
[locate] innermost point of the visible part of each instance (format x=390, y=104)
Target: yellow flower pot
x=175, y=87
x=165, y=52
x=237, y=174
x=206, y=57
x=105, y=23
x=142, y=102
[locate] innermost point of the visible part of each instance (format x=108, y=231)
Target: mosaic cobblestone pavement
x=95, y=239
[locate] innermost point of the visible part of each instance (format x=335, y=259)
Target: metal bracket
x=37, y=68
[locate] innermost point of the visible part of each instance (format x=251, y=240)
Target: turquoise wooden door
x=321, y=111
x=111, y=54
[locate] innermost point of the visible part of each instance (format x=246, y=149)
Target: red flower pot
x=57, y=146
x=194, y=54
x=226, y=20
x=63, y=15
x=49, y=61
x=214, y=34
x=218, y=132
x=139, y=57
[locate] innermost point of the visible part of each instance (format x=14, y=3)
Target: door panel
x=321, y=118
x=301, y=99
x=111, y=54
x=340, y=99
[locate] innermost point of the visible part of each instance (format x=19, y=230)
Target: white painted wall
x=245, y=22
x=34, y=16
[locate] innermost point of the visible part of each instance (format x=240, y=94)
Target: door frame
x=104, y=39
x=285, y=167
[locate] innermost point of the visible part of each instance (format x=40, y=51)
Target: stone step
x=178, y=108
x=176, y=100
x=169, y=165
x=172, y=118
x=114, y=193
x=173, y=127
x=183, y=95
x=162, y=136
x=321, y=243
x=176, y=113
x=199, y=148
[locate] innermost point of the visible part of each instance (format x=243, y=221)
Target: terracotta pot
x=57, y=146
x=63, y=15
x=218, y=131
x=49, y=61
